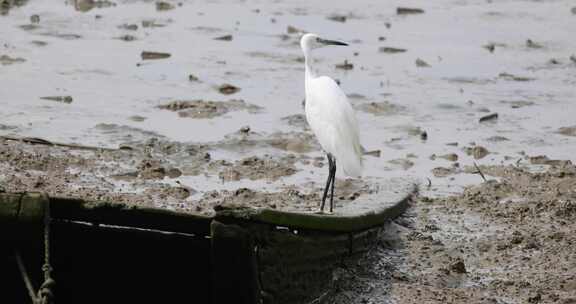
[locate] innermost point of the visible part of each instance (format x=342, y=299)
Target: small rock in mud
x=208, y=109
x=573, y=10
x=424, y=135
x=193, y=78
x=450, y=156
x=337, y=18
x=490, y=47
x=443, y=171
x=345, y=66
x=35, y=19
x=391, y=50
x=127, y=37
x=151, y=23
x=39, y=43
x=421, y=63
x=224, y=38
x=478, y=152
x=7, y=60
x=164, y=6
x=489, y=118
x=533, y=45
x=62, y=99
x=568, y=131
x=293, y=30
x=513, y=77
x=544, y=160
x=380, y=108
x=127, y=26
x=573, y=58
x=146, y=55
x=408, y=11
x=228, y=89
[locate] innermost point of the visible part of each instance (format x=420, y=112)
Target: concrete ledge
x=368, y=211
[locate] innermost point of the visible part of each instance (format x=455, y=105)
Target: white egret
x=331, y=118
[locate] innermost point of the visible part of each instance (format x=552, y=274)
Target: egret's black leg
x=328, y=181
x=333, y=180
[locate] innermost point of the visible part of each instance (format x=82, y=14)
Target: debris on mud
x=193, y=78
x=513, y=77
x=202, y=109
x=128, y=26
x=408, y=11
x=7, y=60
x=391, y=50
x=61, y=99
x=224, y=38
x=164, y=6
x=337, y=18
x=478, y=152
x=151, y=24
x=450, y=157
x=146, y=55
x=489, y=118
x=293, y=30
x=345, y=65
x=533, y=45
x=568, y=131
x=228, y=89
x=421, y=63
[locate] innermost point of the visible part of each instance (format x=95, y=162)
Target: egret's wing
x=333, y=120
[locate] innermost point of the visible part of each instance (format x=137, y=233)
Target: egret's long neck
x=308, y=65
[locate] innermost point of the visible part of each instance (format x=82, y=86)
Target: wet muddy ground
x=190, y=105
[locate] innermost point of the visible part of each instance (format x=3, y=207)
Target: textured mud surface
x=507, y=240
x=149, y=176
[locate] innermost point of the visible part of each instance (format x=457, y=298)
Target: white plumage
x=333, y=121
x=331, y=117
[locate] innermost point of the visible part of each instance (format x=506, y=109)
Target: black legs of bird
x=329, y=183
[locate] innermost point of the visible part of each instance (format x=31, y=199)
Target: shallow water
x=84, y=58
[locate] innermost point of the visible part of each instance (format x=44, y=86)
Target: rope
x=45, y=294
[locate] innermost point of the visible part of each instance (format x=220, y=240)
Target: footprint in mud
x=203, y=109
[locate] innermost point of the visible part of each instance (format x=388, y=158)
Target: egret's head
x=312, y=41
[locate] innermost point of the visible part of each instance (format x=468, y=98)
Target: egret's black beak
x=331, y=42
